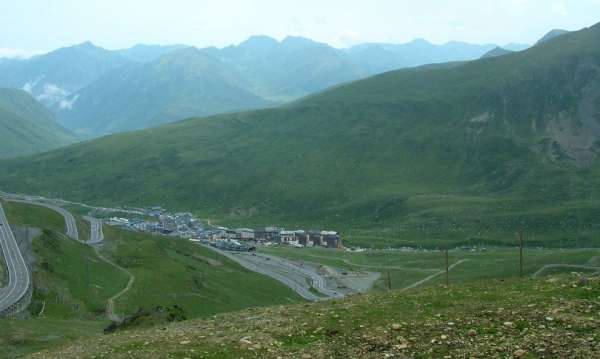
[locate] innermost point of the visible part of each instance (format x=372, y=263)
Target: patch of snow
x=67, y=104
x=52, y=93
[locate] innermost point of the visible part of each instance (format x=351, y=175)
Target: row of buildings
x=185, y=225
x=274, y=235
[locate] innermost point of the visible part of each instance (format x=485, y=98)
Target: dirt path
x=426, y=279
x=367, y=266
x=568, y=266
x=110, y=305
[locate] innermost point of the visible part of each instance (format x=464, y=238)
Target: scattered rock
x=519, y=353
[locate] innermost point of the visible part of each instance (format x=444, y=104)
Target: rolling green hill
x=464, y=153
x=26, y=126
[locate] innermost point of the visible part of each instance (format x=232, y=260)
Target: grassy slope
x=399, y=158
x=74, y=283
x=555, y=318
x=170, y=271
x=26, y=126
x=71, y=310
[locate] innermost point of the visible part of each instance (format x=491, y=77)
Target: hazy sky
x=40, y=25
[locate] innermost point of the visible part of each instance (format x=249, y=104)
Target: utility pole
x=87, y=272
x=521, y=253
x=447, y=268
x=389, y=275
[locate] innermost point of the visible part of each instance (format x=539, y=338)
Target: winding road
x=96, y=234
x=70, y=224
x=19, y=278
x=299, y=278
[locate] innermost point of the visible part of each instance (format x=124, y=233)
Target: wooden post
x=447, y=268
x=389, y=275
x=521, y=253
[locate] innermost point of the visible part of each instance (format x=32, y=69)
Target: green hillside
x=26, y=126
x=465, y=153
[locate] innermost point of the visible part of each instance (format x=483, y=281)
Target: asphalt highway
x=19, y=278
x=298, y=277
x=70, y=224
x=96, y=234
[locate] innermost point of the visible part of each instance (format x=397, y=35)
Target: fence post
x=447, y=268
x=521, y=253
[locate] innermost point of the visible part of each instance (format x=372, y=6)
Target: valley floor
x=403, y=270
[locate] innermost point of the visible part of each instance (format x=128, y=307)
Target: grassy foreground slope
x=555, y=318
x=464, y=153
x=27, y=127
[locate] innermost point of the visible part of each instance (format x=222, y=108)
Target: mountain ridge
x=415, y=151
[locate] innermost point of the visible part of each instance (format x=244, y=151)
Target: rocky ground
x=557, y=317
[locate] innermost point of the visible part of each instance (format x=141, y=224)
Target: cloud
x=347, y=38
x=560, y=9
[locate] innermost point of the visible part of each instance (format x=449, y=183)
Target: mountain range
x=470, y=150
x=94, y=91
x=27, y=126
x=51, y=77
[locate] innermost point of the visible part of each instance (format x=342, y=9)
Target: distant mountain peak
x=85, y=46
x=551, y=36
x=496, y=52
x=419, y=41
x=259, y=41
x=297, y=39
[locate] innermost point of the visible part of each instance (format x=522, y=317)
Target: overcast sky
x=28, y=26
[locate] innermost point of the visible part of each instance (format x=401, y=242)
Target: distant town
x=185, y=225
